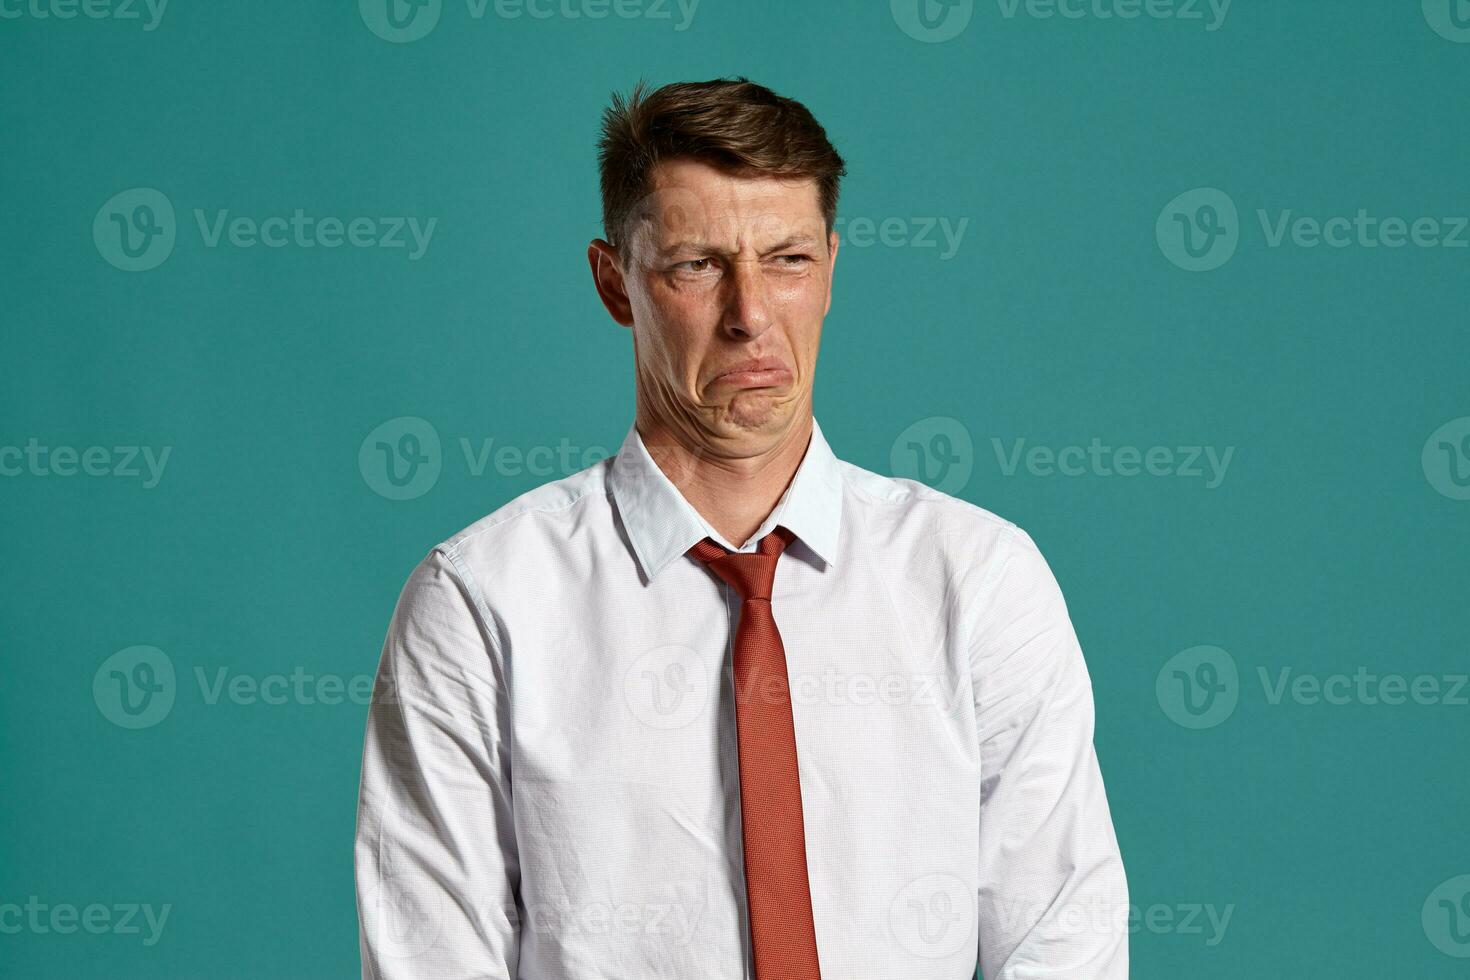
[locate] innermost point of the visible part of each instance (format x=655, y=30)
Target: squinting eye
x=794, y=259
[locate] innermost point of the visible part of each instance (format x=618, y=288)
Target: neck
x=734, y=493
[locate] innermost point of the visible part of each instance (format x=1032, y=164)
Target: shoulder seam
x=942, y=498
x=468, y=535
x=987, y=590
x=482, y=611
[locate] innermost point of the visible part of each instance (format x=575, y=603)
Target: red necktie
x=782, y=932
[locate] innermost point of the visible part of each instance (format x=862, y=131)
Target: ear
x=607, y=276
x=831, y=268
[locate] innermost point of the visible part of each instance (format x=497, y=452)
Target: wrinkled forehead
x=695, y=204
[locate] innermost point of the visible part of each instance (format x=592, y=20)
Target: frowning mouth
x=764, y=372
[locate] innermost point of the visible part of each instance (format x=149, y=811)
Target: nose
x=747, y=305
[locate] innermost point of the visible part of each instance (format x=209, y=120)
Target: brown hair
x=732, y=124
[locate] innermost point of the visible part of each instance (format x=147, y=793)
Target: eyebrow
x=695, y=245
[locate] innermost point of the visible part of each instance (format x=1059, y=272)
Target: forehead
x=691, y=198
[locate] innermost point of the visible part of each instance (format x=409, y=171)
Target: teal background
x=265, y=549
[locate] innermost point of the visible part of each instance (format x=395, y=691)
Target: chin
x=758, y=411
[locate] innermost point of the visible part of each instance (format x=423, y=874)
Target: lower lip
x=755, y=379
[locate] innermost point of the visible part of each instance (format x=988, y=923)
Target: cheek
x=679, y=315
x=803, y=305
x=804, y=295
x=672, y=335
x=805, y=311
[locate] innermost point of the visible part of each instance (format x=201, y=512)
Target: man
x=724, y=706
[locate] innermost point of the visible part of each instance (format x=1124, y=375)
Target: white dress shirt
x=550, y=787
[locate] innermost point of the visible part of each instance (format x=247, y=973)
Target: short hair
x=734, y=125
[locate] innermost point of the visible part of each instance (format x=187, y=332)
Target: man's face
x=720, y=271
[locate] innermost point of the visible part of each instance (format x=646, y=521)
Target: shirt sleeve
x=1053, y=897
x=435, y=852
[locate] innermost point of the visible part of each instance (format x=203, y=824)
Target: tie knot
x=750, y=573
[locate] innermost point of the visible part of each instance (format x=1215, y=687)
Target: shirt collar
x=662, y=525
